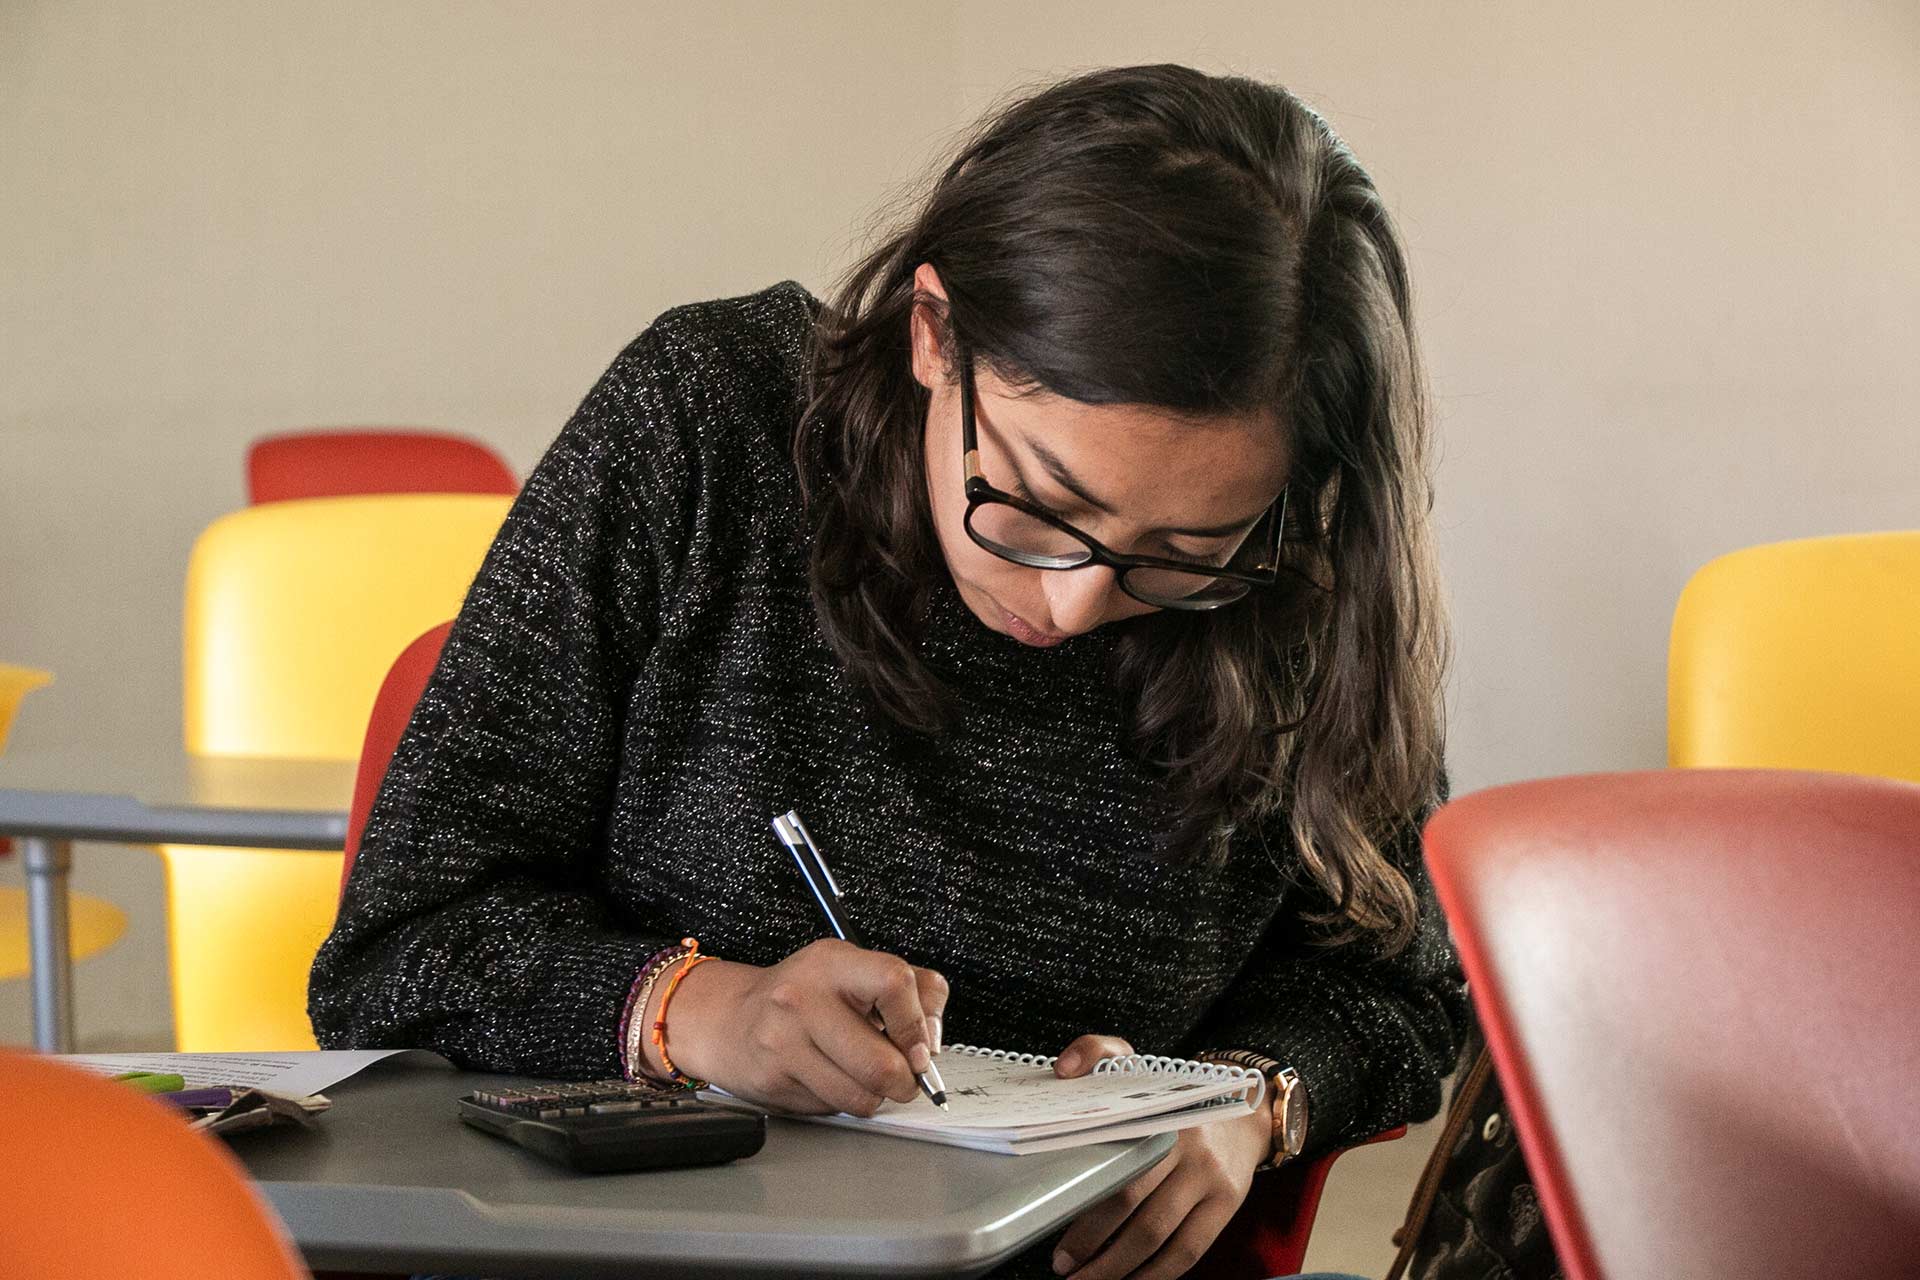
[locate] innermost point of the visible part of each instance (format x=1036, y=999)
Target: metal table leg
x=49, y=941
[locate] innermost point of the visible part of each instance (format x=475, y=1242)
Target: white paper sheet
x=294, y=1074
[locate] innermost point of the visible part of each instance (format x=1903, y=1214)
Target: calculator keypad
x=596, y=1097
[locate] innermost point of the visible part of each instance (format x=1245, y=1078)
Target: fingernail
x=1062, y=1262
x=920, y=1058
x=934, y=1022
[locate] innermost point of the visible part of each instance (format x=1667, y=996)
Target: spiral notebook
x=1013, y=1103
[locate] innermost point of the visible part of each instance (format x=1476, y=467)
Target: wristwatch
x=1289, y=1115
x=1289, y=1100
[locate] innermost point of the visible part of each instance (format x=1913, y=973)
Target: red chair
x=1697, y=986
x=331, y=464
x=1267, y=1237
x=392, y=708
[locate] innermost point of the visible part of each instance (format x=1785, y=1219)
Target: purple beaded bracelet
x=636, y=995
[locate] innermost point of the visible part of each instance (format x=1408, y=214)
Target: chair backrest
x=105, y=1182
x=392, y=708
x=1697, y=988
x=15, y=684
x=1801, y=655
x=328, y=464
x=1269, y=1233
x=294, y=613
x=295, y=610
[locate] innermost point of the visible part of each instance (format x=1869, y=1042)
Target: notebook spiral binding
x=1004, y=1055
x=1131, y=1065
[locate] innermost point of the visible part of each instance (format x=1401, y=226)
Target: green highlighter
x=150, y=1082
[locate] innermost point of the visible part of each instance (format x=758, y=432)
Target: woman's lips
x=1023, y=631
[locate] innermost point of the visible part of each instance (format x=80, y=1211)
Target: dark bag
x=1475, y=1214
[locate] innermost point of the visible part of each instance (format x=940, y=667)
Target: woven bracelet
x=691, y=961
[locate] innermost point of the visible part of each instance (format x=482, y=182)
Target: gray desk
x=55, y=794
x=391, y=1181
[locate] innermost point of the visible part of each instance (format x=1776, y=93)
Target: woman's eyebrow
x=1071, y=483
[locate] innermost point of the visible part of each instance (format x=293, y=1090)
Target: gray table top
x=391, y=1180
x=120, y=793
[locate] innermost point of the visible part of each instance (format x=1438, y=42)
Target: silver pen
x=793, y=833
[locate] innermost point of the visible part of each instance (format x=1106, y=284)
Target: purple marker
x=217, y=1099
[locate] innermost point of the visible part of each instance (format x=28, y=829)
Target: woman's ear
x=926, y=324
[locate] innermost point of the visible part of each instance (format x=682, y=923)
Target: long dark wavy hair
x=1206, y=244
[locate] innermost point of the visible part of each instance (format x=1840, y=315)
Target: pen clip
x=794, y=824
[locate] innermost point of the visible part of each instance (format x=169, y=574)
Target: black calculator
x=613, y=1126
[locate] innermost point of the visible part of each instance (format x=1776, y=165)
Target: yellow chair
x=1801, y=655
x=15, y=684
x=294, y=612
x=93, y=923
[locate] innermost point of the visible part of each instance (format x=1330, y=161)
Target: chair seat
x=96, y=924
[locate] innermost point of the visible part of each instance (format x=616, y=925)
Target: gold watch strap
x=1269, y=1070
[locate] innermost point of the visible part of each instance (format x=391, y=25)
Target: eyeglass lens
x=1016, y=535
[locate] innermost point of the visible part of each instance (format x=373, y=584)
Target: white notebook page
x=1020, y=1097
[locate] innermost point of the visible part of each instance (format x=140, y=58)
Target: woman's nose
x=1079, y=599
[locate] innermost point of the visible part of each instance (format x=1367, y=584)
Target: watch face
x=1296, y=1123
x=1293, y=1107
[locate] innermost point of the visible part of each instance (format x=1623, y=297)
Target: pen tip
x=940, y=1100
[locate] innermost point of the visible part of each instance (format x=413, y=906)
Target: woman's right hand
x=799, y=1036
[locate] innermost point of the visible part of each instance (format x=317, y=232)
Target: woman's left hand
x=1158, y=1225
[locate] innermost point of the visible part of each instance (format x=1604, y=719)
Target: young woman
x=1069, y=573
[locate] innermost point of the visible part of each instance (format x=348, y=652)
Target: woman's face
x=1142, y=480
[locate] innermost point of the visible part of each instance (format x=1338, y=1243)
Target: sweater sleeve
x=471, y=923
x=1372, y=1035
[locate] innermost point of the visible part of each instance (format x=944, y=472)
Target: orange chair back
x=1691, y=982
x=335, y=464
x=105, y=1182
x=392, y=708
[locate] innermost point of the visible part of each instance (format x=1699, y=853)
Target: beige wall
x=225, y=219
x=1669, y=277
x=1665, y=257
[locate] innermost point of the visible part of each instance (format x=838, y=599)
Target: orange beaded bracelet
x=687, y=965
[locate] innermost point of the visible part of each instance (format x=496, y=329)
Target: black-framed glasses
x=1017, y=530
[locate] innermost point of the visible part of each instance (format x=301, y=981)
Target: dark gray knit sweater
x=637, y=683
